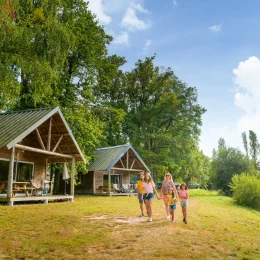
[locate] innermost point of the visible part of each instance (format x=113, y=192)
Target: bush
x=246, y=190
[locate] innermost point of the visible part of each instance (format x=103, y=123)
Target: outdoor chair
x=115, y=188
x=125, y=188
x=41, y=187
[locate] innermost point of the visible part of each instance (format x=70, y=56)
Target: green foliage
x=163, y=118
x=227, y=162
x=54, y=53
x=254, y=147
x=246, y=190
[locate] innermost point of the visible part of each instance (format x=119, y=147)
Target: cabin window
x=23, y=171
x=115, y=179
x=4, y=167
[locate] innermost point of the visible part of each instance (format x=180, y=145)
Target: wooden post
x=72, y=177
x=46, y=167
x=10, y=175
x=127, y=159
x=56, y=145
x=109, y=184
x=94, y=182
x=40, y=139
x=49, y=136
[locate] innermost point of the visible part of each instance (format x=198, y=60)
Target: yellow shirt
x=140, y=186
x=170, y=200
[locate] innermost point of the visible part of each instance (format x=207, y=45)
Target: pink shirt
x=148, y=187
x=183, y=193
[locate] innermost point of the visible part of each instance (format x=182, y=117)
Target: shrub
x=246, y=190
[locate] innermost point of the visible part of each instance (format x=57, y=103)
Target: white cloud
x=175, y=3
x=121, y=38
x=97, y=8
x=147, y=44
x=131, y=21
x=116, y=6
x=216, y=28
x=139, y=8
x=247, y=96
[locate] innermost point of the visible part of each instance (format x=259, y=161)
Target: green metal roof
x=107, y=157
x=14, y=126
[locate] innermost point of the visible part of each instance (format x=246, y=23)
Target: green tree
x=254, y=147
x=197, y=168
x=163, y=117
x=51, y=54
x=245, y=143
x=227, y=162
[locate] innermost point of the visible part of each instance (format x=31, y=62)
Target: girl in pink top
x=184, y=196
x=148, y=193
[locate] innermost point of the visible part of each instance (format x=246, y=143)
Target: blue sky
x=210, y=44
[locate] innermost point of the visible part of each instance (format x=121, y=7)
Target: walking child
x=140, y=193
x=172, y=199
x=184, y=196
x=148, y=194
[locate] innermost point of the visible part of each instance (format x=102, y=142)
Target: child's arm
x=161, y=189
x=155, y=191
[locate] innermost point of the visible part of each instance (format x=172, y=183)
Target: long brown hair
x=185, y=185
x=150, y=177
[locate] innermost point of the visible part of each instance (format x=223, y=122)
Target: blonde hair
x=167, y=173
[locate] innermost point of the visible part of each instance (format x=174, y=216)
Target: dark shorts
x=148, y=196
x=173, y=207
x=140, y=197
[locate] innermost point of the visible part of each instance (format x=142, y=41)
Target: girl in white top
x=148, y=193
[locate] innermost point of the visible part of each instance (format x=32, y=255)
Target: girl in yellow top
x=172, y=199
x=140, y=192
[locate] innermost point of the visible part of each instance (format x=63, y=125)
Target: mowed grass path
x=108, y=228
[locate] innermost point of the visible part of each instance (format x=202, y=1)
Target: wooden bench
x=24, y=189
x=104, y=189
x=17, y=186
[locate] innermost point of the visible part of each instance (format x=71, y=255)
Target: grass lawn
x=108, y=228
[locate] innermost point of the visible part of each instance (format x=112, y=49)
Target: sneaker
x=142, y=215
x=150, y=219
x=185, y=221
x=173, y=221
x=168, y=217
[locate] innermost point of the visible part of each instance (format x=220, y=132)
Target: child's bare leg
x=142, y=208
x=185, y=212
x=172, y=215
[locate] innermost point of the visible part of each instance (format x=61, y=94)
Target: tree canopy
x=54, y=53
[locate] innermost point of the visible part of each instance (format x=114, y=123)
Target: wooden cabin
x=112, y=168
x=29, y=141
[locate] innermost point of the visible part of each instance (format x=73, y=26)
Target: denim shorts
x=173, y=207
x=184, y=203
x=148, y=196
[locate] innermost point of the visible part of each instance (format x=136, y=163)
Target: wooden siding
x=37, y=159
x=87, y=186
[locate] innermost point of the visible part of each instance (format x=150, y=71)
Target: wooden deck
x=115, y=194
x=44, y=199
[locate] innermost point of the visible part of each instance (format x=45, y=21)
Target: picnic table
x=17, y=186
x=104, y=189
